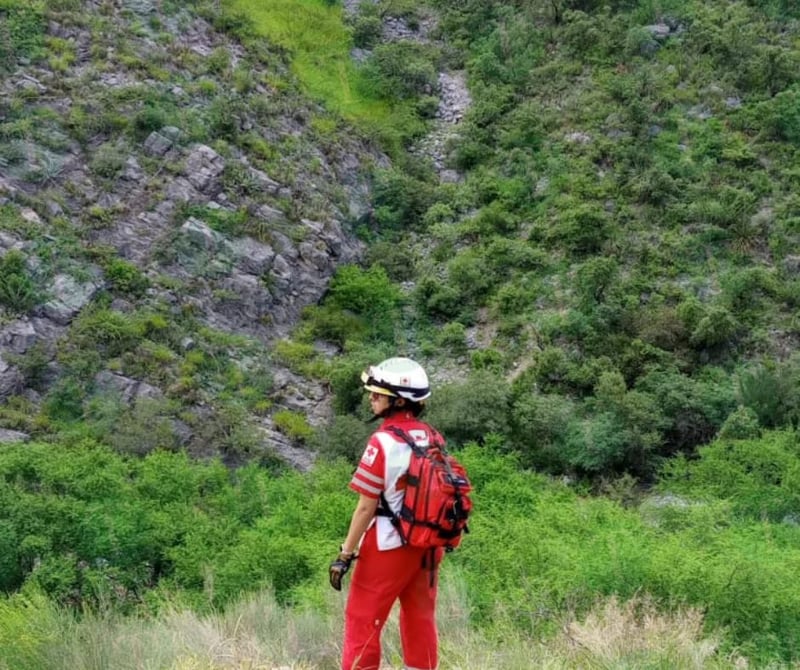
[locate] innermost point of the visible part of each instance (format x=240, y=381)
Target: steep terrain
x=592, y=246
x=170, y=204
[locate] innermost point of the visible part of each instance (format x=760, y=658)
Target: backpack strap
x=384, y=509
x=419, y=451
x=437, y=444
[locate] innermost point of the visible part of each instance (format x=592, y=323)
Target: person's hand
x=338, y=569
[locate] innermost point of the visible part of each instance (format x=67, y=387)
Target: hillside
x=582, y=217
x=170, y=203
x=615, y=275
x=608, y=246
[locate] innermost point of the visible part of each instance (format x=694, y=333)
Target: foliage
x=22, y=29
x=758, y=476
x=257, y=627
x=106, y=528
x=18, y=291
x=361, y=304
x=344, y=437
x=472, y=409
x=769, y=391
x=314, y=32
x=741, y=424
x=293, y=425
x=126, y=278
x=401, y=69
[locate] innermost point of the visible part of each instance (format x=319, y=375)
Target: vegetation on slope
x=134, y=535
x=618, y=269
x=614, y=282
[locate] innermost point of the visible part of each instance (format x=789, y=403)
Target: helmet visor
x=373, y=385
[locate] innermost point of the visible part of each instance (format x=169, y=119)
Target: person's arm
x=362, y=515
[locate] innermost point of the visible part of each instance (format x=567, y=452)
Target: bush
x=108, y=161
x=693, y=408
x=760, y=477
x=22, y=30
x=782, y=115
x=741, y=424
x=344, y=437
x=359, y=302
x=539, y=428
x=452, y=338
x=769, y=390
x=472, y=409
x=18, y=292
x=107, y=331
x=293, y=425
x=402, y=69
x=143, y=428
x=581, y=229
x=716, y=329
x=367, y=30
x=345, y=377
x=396, y=258
x=401, y=199
x=126, y=278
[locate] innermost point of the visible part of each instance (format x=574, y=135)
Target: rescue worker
x=386, y=569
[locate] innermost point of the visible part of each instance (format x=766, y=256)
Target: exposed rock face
x=240, y=219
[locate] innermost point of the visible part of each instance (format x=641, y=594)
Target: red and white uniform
x=386, y=569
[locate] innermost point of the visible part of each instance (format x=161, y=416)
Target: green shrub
x=345, y=376
x=770, y=391
x=693, y=408
x=151, y=117
x=345, y=437
x=105, y=330
x=539, y=428
x=22, y=30
x=293, y=425
x=359, y=303
x=126, y=278
x=760, y=477
x=402, y=69
x=582, y=229
x=395, y=258
x=717, y=328
x=331, y=324
x=108, y=161
x=437, y=298
x=472, y=409
x=401, y=199
x=143, y=428
x=781, y=115
x=366, y=30
x=452, y=338
x=18, y=292
x=741, y=424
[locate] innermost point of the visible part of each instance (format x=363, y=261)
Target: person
x=386, y=569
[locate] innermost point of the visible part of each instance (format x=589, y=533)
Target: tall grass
x=258, y=634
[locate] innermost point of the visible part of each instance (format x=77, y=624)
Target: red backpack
x=436, y=503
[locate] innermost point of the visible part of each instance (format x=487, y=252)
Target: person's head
x=396, y=384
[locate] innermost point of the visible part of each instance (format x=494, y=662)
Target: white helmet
x=398, y=378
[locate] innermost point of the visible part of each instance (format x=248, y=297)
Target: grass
x=319, y=43
x=258, y=634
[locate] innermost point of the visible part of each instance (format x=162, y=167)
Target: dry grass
x=636, y=634
x=258, y=634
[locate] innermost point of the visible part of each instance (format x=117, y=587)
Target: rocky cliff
x=157, y=162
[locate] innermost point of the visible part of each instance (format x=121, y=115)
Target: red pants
x=380, y=578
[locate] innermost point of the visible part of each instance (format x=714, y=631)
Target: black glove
x=338, y=569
